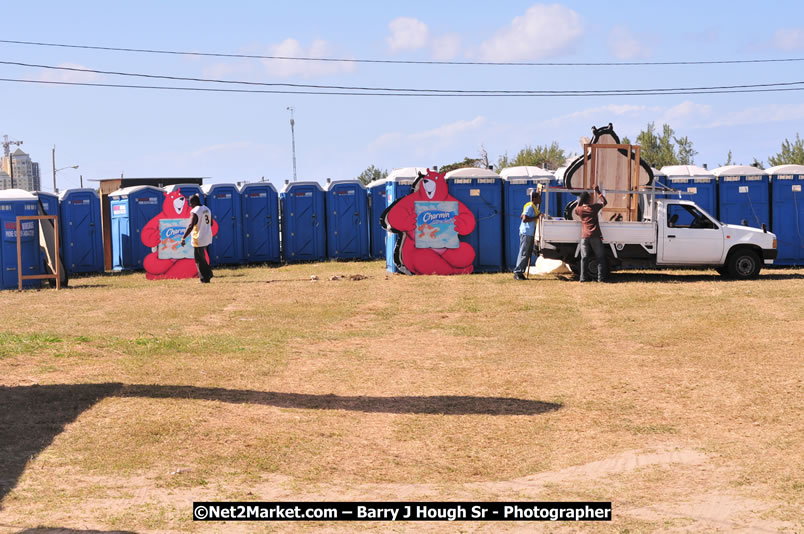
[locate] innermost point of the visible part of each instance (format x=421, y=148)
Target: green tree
x=660, y=150
x=791, y=153
x=467, y=162
x=729, y=160
x=551, y=157
x=686, y=154
x=370, y=174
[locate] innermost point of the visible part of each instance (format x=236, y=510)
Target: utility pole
x=11, y=169
x=293, y=140
x=55, y=190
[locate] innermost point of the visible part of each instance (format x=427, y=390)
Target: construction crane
x=7, y=144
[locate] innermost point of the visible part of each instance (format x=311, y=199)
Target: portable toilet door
x=377, y=204
x=481, y=191
x=304, y=235
x=398, y=184
x=13, y=203
x=260, y=222
x=787, y=212
x=224, y=202
x=132, y=208
x=699, y=184
x=516, y=183
x=347, y=220
x=744, y=195
x=80, y=223
x=49, y=202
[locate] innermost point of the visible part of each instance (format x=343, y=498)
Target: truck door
x=689, y=236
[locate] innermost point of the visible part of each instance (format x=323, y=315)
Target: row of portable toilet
x=81, y=244
x=739, y=194
x=496, y=201
x=247, y=218
x=316, y=223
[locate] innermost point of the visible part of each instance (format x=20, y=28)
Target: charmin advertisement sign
x=171, y=232
x=428, y=222
x=435, y=225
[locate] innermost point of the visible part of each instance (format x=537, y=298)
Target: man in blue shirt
x=527, y=229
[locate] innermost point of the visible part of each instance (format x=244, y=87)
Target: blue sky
x=235, y=137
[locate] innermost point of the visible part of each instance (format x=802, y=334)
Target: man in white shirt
x=201, y=227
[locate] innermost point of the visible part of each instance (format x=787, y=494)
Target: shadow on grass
x=60, y=530
x=32, y=416
x=430, y=405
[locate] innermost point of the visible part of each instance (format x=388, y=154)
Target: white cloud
x=789, y=38
x=543, y=31
x=445, y=47
x=282, y=68
x=447, y=131
x=760, y=115
x=602, y=113
x=421, y=142
x=627, y=46
x=69, y=75
x=407, y=34
x=306, y=69
x=684, y=111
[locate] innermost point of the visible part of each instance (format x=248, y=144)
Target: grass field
x=676, y=395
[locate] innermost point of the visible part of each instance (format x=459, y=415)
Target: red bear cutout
x=400, y=218
x=175, y=206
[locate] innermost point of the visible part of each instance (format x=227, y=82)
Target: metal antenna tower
x=7, y=144
x=293, y=139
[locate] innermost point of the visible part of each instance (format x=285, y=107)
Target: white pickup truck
x=674, y=233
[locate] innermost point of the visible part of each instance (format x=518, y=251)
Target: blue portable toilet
x=260, y=222
x=131, y=209
x=787, y=212
x=304, y=231
x=81, y=234
x=481, y=191
x=347, y=220
x=224, y=202
x=377, y=204
x=517, y=181
x=187, y=190
x=14, y=203
x=398, y=184
x=743, y=195
x=699, y=182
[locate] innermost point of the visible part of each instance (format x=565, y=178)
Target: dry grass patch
x=667, y=393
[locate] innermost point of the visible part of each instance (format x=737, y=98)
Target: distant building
x=5, y=180
x=36, y=178
x=26, y=172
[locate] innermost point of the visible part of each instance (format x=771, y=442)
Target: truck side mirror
x=744, y=222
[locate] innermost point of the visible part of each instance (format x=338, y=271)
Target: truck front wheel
x=744, y=265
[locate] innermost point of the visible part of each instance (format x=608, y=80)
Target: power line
x=412, y=62
x=544, y=92
x=353, y=93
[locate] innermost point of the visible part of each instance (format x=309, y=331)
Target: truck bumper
x=768, y=255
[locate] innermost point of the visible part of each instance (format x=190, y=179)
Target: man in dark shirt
x=591, y=236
